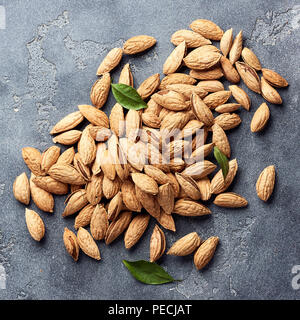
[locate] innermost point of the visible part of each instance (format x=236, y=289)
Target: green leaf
x=127, y=96
x=222, y=161
x=148, y=272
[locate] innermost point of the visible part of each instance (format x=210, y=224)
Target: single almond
x=200, y=169
x=229, y=71
x=190, y=208
x=136, y=229
x=260, y=118
x=185, y=245
x=126, y=76
x=94, y=189
x=249, y=76
x=269, y=93
x=227, y=107
x=274, y=78
x=174, y=60
x=115, y=206
x=148, y=201
x=165, y=197
x=51, y=185
x=240, y=96
x=118, y=226
x=83, y=169
x=111, y=60
x=99, y=223
x=21, y=189
x=203, y=151
x=158, y=175
x=201, y=110
x=220, y=140
x=250, y=58
x=211, y=85
x=166, y=221
x=84, y=216
x=228, y=121
x=157, y=244
x=215, y=99
x=95, y=116
x=67, y=156
x=207, y=29
x=87, y=147
x=100, y=91
x=129, y=197
x=171, y=100
x=189, y=186
x=68, y=122
x=187, y=90
x=145, y=183
x=213, y=73
x=236, y=48
x=138, y=44
x=87, y=244
x=68, y=138
x=204, y=188
x=49, y=158
x=226, y=42
x=75, y=202
x=265, y=183
x=149, y=86
x=192, y=39
x=71, y=243
x=230, y=200
x=35, y=225
x=110, y=187
x=33, y=158
x=205, y=252
x=174, y=78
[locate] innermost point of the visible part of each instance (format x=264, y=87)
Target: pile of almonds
x=118, y=177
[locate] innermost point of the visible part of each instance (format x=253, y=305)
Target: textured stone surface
x=49, y=55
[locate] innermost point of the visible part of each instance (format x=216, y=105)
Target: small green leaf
x=148, y=272
x=127, y=96
x=222, y=161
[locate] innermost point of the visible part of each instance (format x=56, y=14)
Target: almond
x=117, y=120
x=71, y=243
x=236, y=48
x=87, y=147
x=227, y=107
x=35, y=225
x=220, y=140
x=66, y=157
x=115, y=206
x=126, y=76
x=129, y=197
x=148, y=201
x=185, y=245
x=138, y=44
x=260, y=118
x=133, y=124
x=174, y=60
x=226, y=42
x=51, y=185
x=68, y=122
x=207, y=29
x=21, y=188
x=174, y=78
x=201, y=110
x=158, y=175
x=75, y=202
x=203, y=151
x=87, y=244
x=204, y=188
x=191, y=38
x=228, y=121
x=249, y=76
x=111, y=60
x=117, y=227
x=199, y=170
x=165, y=197
x=145, y=183
x=265, y=183
x=84, y=216
x=189, y=186
x=269, y=93
x=240, y=96
x=213, y=73
x=205, y=252
x=171, y=100
x=274, y=78
x=100, y=91
x=229, y=71
x=250, y=58
x=211, y=85
x=94, y=189
x=202, y=58
x=99, y=223
x=157, y=244
x=166, y=221
x=149, y=86
x=136, y=229
x=215, y=99
x=94, y=115
x=230, y=200
x=68, y=138
x=187, y=90
x=33, y=158
x=189, y=208
x=83, y=169
x=110, y=187
x=49, y=158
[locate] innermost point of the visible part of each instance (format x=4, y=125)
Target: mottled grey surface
x=49, y=53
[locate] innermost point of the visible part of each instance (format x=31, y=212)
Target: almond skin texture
x=240, y=96
x=138, y=44
x=211, y=74
x=84, y=216
x=145, y=183
x=94, y=116
x=185, y=245
x=207, y=29
x=211, y=85
x=67, y=138
x=71, y=244
x=205, y=252
x=274, y=78
x=265, y=183
x=228, y=121
x=111, y=60
x=230, y=200
x=33, y=158
x=118, y=226
x=269, y=93
x=174, y=78
x=51, y=185
x=157, y=244
x=149, y=86
x=99, y=223
x=201, y=110
x=215, y=99
x=202, y=58
x=49, y=158
x=189, y=186
x=126, y=75
x=87, y=147
x=260, y=118
x=204, y=188
x=68, y=122
x=87, y=244
x=21, y=189
x=75, y=202
x=191, y=38
x=35, y=225
x=220, y=140
x=236, y=49
x=174, y=60
x=250, y=58
x=136, y=229
x=66, y=173
x=100, y=91
x=165, y=197
x=229, y=71
x=226, y=42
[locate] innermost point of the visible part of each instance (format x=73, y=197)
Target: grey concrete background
x=49, y=53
